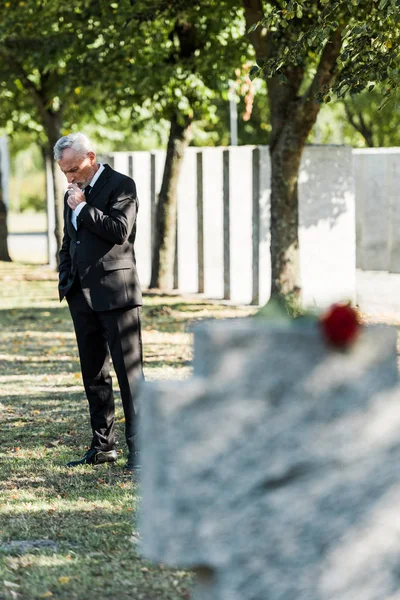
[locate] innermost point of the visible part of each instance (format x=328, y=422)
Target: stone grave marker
x=274, y=472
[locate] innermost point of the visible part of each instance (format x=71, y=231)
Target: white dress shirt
x=75, y=213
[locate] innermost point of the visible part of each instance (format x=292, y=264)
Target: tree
x=44, y=60
x=376, y=124
x=177, y=78
x=306, y=50
x=4, y=255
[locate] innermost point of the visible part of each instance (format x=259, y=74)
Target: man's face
x=78, y=168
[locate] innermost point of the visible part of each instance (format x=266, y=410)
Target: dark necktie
x=87, y=191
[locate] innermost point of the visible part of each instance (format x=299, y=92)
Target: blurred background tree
x=308, y=50
x=140, y=77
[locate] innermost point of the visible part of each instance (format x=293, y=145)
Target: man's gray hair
x=79, y=142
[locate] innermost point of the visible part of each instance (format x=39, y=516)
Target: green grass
x=70, y=534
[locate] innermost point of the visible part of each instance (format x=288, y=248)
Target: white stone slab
x=240, y=224
x=121, y=162
x=213, y=224
x=374, y=181
x=141, y=172
x=265, y=225
x=187, y=224
x=327, y=225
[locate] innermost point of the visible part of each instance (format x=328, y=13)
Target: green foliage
x=369, y=52
x=370, y=120
x=186, y=72
x=283, y=308
x=43, y=62
x=120, y=68
x=27, y=185
x=359, y=121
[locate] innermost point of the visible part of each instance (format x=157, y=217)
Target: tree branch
x=259, y=38
x=360, y=126
x=324, y=76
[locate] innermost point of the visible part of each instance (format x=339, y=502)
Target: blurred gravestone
x=274, y=472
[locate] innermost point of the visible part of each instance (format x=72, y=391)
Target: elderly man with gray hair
x=98, y=277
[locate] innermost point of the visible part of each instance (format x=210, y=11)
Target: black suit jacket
x=101, y=250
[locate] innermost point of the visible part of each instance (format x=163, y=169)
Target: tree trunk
x=360, y=124
x=285, y=162
x=52, y=125
x=292, y=117
x=4, y=255
x=286, y=148
x=162, y=268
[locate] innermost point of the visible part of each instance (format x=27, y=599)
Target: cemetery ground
x=70, y=533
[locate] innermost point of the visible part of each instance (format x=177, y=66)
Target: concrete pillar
x=140, y=170
x=213, y=221
x=327, y=225
x=121, y=162
x=374, y=185
x=238, y=161
x=187, y=224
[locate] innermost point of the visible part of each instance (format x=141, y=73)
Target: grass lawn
x=70, y=534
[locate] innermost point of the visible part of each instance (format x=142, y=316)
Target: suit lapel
x=70, y=228
x=100, y=183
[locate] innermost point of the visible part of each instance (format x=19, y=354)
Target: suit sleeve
x=65, y=258
x=117, y=226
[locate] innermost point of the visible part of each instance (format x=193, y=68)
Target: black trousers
x=99, y=335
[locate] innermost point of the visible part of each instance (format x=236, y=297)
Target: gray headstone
x=213, y=221
x=187, y=224
x=374, y=189
x=141, y=173
x=121, y=162
x=274, y=471
x=240, y=224
x=327, y=225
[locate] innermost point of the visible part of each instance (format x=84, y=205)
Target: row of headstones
x=223, y=236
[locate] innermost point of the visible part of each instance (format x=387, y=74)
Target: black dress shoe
x=133, y=461
x=94, y=457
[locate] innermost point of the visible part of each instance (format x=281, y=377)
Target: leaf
x=10, y=584
x=253, y=27
x=254, y=72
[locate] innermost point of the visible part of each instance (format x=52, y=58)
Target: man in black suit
x=98, y=277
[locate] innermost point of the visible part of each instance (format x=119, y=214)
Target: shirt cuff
x=79, y=208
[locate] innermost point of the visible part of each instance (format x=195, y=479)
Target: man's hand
x=75, y=196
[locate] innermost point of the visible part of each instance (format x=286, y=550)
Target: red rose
x=340, y=325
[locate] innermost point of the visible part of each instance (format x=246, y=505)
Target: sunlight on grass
x=70, y=534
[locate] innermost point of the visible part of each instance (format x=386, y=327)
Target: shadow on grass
x=36, y=318
x=90, y=554
x=169, y=318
